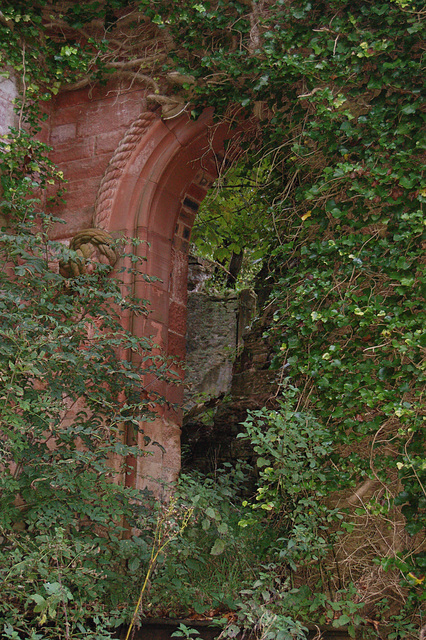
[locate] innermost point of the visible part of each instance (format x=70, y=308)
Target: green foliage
x=41, y=44
x=246, y=555
x=68, y=392
x=185, y=632
x=339, y=85
x=230, y=217
x=66, y=396
x=293, y=451
x=53, y=583
x=279, y=437
x=206, y=568
x=172, y=520
x=59, y=354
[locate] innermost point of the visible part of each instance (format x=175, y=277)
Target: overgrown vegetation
x=68, y=399
x=329, y=164
x=338, y=88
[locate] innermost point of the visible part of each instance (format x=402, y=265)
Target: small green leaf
x=341, y=621
x=133, y=564
x=218, y=547
x=262, y=462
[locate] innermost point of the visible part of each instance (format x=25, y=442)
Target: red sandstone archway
x=152, y=188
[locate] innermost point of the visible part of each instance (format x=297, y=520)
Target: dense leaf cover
x=337, y=86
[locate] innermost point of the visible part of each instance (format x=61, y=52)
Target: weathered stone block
x=8, y=92
x=210, y=346
x=63, y=133
x=177, y=318
x=75, y=151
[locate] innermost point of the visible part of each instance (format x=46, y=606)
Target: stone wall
x=86, y=127
x=211, y=344
x=132, y=172
x=227, y=372
x=8, y=93
x=217, y=326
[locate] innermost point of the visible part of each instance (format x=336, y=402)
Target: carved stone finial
x=91, y=245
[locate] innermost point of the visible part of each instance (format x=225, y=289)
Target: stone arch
x=151, y=190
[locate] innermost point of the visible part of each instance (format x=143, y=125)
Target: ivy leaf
x=218, y=547
x=341, y=621
x=262, y=462
x=41, y=603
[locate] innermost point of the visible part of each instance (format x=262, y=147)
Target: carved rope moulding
x=116, y=166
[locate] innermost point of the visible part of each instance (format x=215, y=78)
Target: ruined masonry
x=132, y=172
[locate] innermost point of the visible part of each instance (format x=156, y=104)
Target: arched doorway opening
x=151, y=190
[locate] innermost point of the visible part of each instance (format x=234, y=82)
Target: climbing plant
x=230, y=217
x=73, y=381
x=71, y=397
x=334, y=90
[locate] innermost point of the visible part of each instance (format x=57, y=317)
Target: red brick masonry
x=133, y=173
